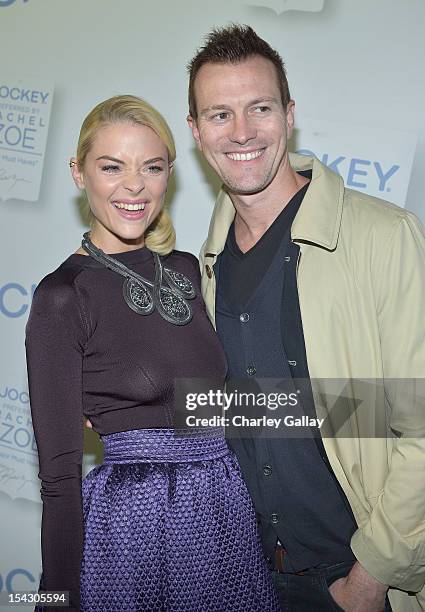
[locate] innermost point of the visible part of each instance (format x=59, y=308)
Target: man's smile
x=246, y=156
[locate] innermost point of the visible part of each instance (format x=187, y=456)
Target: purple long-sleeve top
x=89, y=354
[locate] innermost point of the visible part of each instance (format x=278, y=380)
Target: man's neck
x=255, y=213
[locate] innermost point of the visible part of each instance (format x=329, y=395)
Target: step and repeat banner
x=354, y=70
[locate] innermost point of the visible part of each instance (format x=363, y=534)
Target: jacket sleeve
x=208, y=286
x=202, y=256
x=55, y=338
x=391, y=545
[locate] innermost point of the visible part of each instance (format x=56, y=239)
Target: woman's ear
x=77, y=175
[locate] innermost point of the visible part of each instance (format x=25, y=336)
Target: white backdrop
x=356, y=73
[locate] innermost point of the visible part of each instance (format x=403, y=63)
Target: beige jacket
x=361, y=283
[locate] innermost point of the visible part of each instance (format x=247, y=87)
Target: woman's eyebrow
x=153, y=160
x=108, y=157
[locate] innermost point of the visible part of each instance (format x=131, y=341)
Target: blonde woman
x=165, y=523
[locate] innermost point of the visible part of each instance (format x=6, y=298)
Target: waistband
x=164, y=445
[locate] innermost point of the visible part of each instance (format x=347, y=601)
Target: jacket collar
x=317, y=221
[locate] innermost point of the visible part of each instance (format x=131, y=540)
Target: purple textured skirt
x=170, y=527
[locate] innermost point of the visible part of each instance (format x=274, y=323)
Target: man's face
x=242, y=127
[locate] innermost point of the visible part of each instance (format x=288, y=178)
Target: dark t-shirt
x=246, y=270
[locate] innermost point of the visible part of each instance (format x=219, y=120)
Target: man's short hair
x=234, y=44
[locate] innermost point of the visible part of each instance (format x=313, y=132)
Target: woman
x=166, y=523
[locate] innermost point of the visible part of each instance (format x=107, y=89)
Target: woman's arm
x=55, y=340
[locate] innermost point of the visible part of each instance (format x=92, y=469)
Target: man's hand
x=359, y=591
x=88, y=424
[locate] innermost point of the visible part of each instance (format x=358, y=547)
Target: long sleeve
x=391, y=545
x=55, y=339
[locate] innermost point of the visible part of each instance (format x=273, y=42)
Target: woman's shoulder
x=58, y=288
x=58, y=310
x=183, y=256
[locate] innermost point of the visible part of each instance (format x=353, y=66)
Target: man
x=306, y=279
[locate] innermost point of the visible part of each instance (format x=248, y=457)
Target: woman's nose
x=134, y=182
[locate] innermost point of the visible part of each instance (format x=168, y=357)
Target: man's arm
x=391, y=545
x=359, y=591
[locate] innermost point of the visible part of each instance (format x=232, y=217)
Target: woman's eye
x=155, y=169
x=110, y=168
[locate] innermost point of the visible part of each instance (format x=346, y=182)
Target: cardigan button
x=267, y=470
x=208, y=271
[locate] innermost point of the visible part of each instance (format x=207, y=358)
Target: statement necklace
x=142, y=295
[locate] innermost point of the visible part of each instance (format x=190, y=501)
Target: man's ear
x=77, y=174
x=195, y=132
x=290, y=117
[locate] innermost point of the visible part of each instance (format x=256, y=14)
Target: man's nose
x=242, y=130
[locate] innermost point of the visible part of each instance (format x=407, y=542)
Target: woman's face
x=125, y=177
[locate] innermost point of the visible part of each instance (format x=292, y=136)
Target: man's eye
x=110, y=168
x=220, y=116
x=261, y=109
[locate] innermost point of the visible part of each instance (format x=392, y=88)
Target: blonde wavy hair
x=160, y=237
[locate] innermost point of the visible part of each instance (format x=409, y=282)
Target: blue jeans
x=310, y=592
